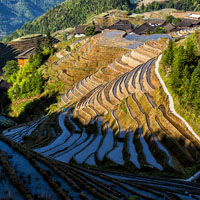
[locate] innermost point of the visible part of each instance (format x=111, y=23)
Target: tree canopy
x=90, y=30
x=10, y=70
x=185, y=5
x=28, y=80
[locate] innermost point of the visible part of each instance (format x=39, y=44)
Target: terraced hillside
x=87, y=55
x=118, y=118
x=184, y=32
x=138, y=125
x=28, y=175
x=93, y=55
x=110, y=72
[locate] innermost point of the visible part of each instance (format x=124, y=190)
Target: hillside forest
x=13, y=14
x=68, y=14
x=182, y=67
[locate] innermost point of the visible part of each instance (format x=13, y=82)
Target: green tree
x=175, y=21
x=48, y=41
x=168, y=54
x=159, y=30
x=10, y=70
x=177, y=70
x=90, y=30
x=38, y=48
x=194, y=90
x=29, y=80
x=169, y=19
x=142, y=7
x=191, y=54
x=186, y=82
x=68, y=48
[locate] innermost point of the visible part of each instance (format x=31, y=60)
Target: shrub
x=123, y=106
x=10, y=70
x=90, y=30
x=68, y=48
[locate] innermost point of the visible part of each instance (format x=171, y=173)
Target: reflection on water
x=146, y=37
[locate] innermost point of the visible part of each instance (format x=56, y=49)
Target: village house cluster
x=149, y=26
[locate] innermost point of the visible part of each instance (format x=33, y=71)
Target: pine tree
x=194, y=91
x=90, y=30
x=10, y=69
x=48, y=41
x=177, y=70
x=168, y=55
x=190, y=53
x=38, y=48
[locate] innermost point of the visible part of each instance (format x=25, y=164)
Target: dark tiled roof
x=81, y=29
x=185, y=22
x=169, y=27
x=193, y=21
x=26, y=54
x=122, y=22
x=156, y=21
x=142, y=29
x=122, y=27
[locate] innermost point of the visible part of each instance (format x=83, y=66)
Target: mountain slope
x=117, y=118
x=13, y=14
x=68, y=14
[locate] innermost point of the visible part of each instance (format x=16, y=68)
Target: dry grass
x=159, y=14
x=113, y=16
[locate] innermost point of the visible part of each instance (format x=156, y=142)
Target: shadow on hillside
x=4, y=101
x=36, y=108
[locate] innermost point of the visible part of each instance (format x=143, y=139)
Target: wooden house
x=187, y=23
x=142, y=29
x=79, y=30
x=123, y=25
x=156, y=22
x=169, y=27
x=22, y=58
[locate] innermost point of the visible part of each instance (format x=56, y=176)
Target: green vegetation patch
x=181, y=72
x=179, y=5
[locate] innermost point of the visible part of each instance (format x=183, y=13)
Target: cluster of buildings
x=145, y=28
x=151, y=24
x=125, y=25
